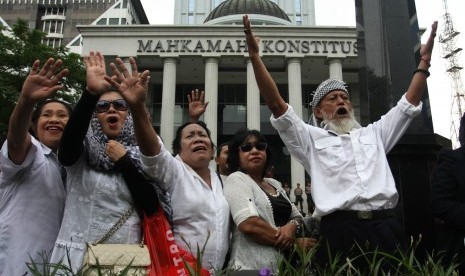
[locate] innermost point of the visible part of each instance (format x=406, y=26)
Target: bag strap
x=117, y=225
x=221, y=180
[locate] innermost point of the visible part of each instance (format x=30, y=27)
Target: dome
x=250, y=7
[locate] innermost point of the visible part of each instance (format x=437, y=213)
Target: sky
x=439, y=84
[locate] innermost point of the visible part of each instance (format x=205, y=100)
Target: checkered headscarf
x=322, y=90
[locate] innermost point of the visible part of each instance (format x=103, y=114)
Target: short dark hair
x=39, y=106
x=177, y=140
x=238, y=139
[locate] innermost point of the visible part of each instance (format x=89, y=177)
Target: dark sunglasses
x=261, y=146
x=103, y=105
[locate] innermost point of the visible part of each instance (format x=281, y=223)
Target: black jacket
x=448, y=204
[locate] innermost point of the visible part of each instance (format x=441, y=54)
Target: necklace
x=275, y=196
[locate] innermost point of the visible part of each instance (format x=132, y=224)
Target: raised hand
x=41, y=84
x=132, y=86
x=252, y=41
x=95, y=73
x=197, y=104
x=427, y=49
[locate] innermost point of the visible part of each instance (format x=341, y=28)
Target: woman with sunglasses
x=97, y=191
x=265, y=220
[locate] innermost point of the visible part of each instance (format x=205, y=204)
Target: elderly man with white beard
x=352, y=185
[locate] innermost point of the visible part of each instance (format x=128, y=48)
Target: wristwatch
x=295, y=222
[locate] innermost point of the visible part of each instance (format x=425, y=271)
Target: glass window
x=113, y=21
x=217, y=2
x=191, y=6
x=298, y=6
x=125, y=4
x=102, y=21
x=53, y=27
x=77, y=42
x=123, y=21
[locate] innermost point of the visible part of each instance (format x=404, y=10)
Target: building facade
x=214, y=58
x=58, y=18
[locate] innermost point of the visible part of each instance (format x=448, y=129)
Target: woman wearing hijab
x=97, y=193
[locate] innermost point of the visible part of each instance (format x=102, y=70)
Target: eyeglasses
x=261, y=146
x=104, y=105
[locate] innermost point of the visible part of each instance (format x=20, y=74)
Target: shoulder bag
x=113, y=259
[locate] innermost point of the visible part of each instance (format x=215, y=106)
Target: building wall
x=59, y=18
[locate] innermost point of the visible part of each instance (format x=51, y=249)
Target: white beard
x=340, y=126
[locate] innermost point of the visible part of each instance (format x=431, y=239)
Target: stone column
x=211, y=96
x=294, y=80
x=168, y=100
x=335, y=68
x=253, y=99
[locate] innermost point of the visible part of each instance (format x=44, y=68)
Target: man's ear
x=317, y=113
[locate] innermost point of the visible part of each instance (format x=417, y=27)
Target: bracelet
x=426, y=72
x=426, y=61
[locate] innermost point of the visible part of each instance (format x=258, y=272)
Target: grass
x=400, y=263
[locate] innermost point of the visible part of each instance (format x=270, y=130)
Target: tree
x=20, y=48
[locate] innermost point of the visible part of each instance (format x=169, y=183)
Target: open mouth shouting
x=199, y=148
x=342, y=111
x=112, y=121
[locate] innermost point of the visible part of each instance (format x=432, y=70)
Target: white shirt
x=197, y=209
x=32, y=198
x=95, y=201
x=246, y=199
x=350, y=171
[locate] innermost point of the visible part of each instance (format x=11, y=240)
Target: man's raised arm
x=266, y=84
x=418, y=83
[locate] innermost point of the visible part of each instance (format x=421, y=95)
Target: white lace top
x=95, y=201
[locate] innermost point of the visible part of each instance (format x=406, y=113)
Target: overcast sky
x=162, y=12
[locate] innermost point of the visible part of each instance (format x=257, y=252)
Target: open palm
x=95, y=74
x=43, y=83
x=197, y=104
x=132, y=86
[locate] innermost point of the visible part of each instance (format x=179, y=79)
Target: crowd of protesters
x=68, y=181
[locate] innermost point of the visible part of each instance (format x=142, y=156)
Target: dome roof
x=260, y=7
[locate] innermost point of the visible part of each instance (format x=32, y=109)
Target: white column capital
x=294, y=60
x=170, y=60
x=211, y=60
x=335, y=67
